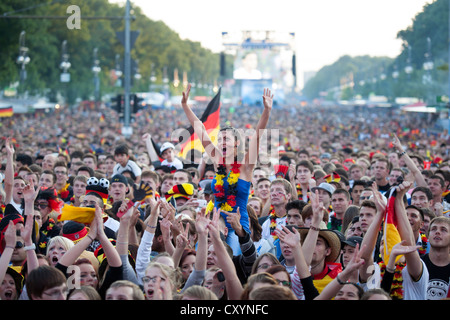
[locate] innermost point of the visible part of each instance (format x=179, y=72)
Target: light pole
x=118, y=71
x=409, y=68
x=96, y=70
x=428, y=64
x=23, y=59
x=65, y=64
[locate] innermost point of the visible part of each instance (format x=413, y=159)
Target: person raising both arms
x=233, y=166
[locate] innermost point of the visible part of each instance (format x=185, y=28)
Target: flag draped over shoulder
x=211, y=121
x=6, y=111
x=391, y=236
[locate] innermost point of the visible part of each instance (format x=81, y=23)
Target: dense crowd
x=91, y=214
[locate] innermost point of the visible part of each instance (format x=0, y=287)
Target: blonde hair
x=174, y=275
x=199, y=292
x=137, y=292
x=63, y=241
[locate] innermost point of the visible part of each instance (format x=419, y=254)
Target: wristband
x=390, y=270
x=31, y=247
x=402, y=153
x=314, y=228
x=340, y=281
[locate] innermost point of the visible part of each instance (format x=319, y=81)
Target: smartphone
x=201, y=203
x=129, y=205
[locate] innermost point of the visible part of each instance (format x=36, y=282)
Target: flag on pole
x=6, y=111
x=391, y=236
x=211, y=121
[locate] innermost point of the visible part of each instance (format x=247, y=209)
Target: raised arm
x=29, y=195
x=147, y=138
x=342, y=278
x=418, y=177
x=232, y=282
x=413, y=260
x=73, y=253
x=9, y=170
x=371, y=236
x=253, y=150
x=10, y=244
x=199, y=128
x=110, y=251
x=309, y=244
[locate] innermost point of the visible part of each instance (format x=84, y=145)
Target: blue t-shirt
x=243, y=192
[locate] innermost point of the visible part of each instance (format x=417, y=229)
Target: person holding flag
x=234, y=167
x=401, y=272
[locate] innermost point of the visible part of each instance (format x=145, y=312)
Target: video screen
x=274, y=63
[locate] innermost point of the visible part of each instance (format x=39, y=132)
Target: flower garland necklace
x=227, y=200
x=273, y=222
x=423, y=248
x=300, y=194
x=397, y=282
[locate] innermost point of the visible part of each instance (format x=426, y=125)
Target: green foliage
x=367, y=71
x=156, y=47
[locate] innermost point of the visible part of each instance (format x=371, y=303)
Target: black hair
x=121, y=149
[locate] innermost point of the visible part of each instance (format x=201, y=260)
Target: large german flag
x=6, y=111
x=211, y=121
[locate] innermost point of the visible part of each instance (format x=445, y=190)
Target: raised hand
x=267, y=98
x=9, y=147
x=29, y=193
x=290, y=238
x=143, y=191
x=183, y=237
x=396, y=142
x=185, y=98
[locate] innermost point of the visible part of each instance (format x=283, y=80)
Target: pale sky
x=325, y=29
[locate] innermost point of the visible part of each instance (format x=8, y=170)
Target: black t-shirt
x=438, y=283
x=384, y=189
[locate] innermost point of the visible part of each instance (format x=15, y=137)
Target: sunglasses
x=41, y=205
x=19, y=244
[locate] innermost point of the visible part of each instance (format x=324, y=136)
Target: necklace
x=227, y=200
x=300, y=194
x=273, y=222
x=397, y=282
x=423, y=248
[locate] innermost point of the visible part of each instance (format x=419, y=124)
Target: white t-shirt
x=130, y=166
x=415, y=290
x=266, y=227
x=175, y=163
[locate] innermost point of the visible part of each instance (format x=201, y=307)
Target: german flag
x=391, y=235
x=6, y=111
x=211, y=121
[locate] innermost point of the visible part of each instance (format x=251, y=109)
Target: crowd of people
x=297, y=211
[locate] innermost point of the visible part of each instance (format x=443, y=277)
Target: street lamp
x=118, y=72
x=428, y=64
x=96, y=70
x=23, y=59
x=137, y=75
x=65, y=64
x=409, y=68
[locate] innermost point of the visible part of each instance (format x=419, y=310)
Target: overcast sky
x=325, y=29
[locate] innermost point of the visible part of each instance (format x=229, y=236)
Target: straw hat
x=330, y=237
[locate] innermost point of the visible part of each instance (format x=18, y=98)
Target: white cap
x=165, y=146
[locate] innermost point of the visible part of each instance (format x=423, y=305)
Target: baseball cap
x=165, y=146
x=352, y=241
x=324, y=186
x=119, y=178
